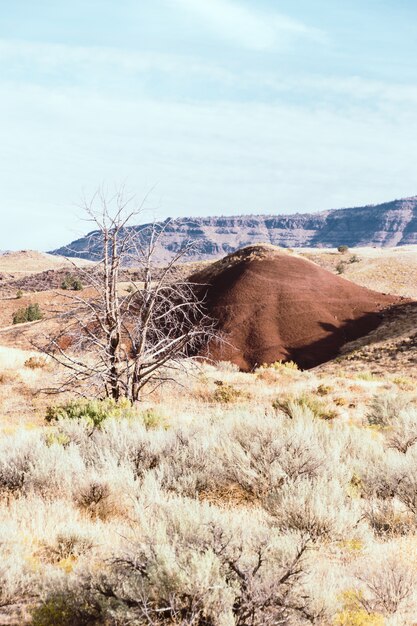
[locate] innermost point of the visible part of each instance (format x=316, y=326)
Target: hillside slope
x=27, y=262
x=270, y=305
x=390, y=224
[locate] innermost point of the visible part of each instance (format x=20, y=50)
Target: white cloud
x=89, y=64
x=249, y=28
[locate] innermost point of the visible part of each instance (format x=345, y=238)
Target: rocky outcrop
x=390, y=224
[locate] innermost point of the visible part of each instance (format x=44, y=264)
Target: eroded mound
x=272, y=305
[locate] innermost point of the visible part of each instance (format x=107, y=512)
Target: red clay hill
x=271, y=304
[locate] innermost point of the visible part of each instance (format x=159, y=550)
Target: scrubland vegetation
x=276, y=497
x=30, y=313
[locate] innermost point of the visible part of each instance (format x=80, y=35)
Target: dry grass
x=389, y=270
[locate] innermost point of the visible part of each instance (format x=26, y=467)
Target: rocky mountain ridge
x=389, y=224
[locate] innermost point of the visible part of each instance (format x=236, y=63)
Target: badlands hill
x=272, y=305
x=389, y=224
x=255, y=288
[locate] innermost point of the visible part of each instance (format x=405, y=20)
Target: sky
x=206, y=107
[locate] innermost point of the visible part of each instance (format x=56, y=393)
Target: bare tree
x=123, y=342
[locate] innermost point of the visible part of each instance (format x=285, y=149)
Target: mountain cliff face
x=389, y=224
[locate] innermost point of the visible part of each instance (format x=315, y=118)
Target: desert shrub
x=209, y=567
x=36, y=362
x=68, y=544
x=341, y=267
x=262, y=458
x=57, y=438
x=152, y=418
x=324, y=390
x=225, y=393
x=385, y=408
x=93, y=411
x=291, y=404
x=16, y=582
x=30, y=313
x=388, y=519
x=343, y=249
x=280, y=365
x=72, y=283
x=381, y=473
x=195, y=463
x=66, y=609
x=19, y=294
x=388, y=585
x=319, y=508
x=271, y=373
x=403, y=433
x=406, y=490
x=368, y=376
x=354, y=614
x=16, y=462
x=404, y=383
x=354, y=259
x=92, y=495
x=28, y=465
x=227, y=367
x=107, y=490
x=124, y=442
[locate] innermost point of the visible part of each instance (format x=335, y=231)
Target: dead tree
x=121, y=343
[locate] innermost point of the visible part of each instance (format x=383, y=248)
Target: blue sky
x=220, y=106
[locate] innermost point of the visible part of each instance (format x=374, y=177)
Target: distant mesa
x=389, y=224
x=271, y=305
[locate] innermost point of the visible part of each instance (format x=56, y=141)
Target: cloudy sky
x=220, y=106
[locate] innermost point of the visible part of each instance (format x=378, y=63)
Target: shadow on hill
x=328, y=347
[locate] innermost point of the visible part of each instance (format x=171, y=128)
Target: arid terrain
x=384, y=225
x=278, y=495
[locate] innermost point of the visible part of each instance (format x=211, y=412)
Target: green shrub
x=324, y=390
x=72, y=283
x=319, y=408
x=30, y=313
x=289, y=365
x=404, y=383
x=341, y=267
x=354, y=259
x=65, y=610
x=368, y=376
x=58, y=439
x=353, y=612
x=93, y=411
x=342, y=249
x=279, y=366
x=226, y=393
x=19, y=294
x=154, y=419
